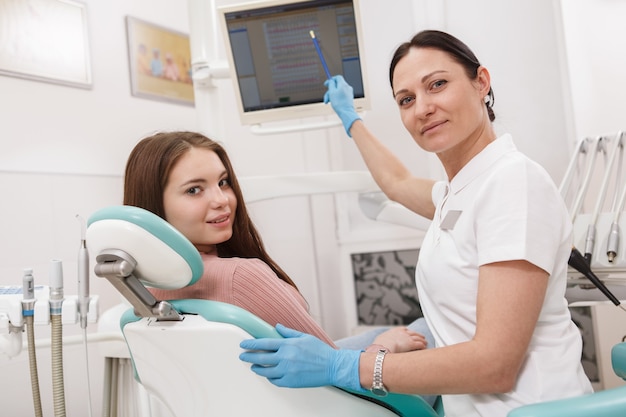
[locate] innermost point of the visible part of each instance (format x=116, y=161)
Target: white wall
x=64, y=149
x=595, y=41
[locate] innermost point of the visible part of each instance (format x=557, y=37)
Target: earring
x=488, y=100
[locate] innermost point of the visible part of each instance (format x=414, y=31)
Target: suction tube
x=578, y=262
x=28, y=310
x=56, y=302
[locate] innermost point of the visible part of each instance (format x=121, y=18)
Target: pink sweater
x=250, y=284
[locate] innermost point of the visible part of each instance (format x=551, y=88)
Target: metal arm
x=118, y=266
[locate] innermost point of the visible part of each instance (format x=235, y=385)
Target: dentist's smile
x=430, y=127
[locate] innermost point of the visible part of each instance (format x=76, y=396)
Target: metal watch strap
x=378, y=388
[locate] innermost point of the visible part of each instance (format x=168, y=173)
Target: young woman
x=188, y=180
x=492, y=270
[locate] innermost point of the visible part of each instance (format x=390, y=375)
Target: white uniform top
x=501, y=206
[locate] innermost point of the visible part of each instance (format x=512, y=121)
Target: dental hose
x=56, y=302
x=28, y=310
x=57, y=366
x=32, y=362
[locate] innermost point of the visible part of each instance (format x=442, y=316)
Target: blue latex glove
x=301, y=361
x=341, y=97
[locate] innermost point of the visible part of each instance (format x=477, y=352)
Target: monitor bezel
x=297, y=111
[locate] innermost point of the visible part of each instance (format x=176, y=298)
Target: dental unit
x=23, y=308
x=605, y=264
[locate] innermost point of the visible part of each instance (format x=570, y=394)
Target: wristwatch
x=377, y=384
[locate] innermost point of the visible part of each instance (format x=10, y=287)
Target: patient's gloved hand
x=301, y=360
x=341, y=97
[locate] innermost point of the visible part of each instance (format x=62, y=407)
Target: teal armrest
x=226, y=313
x=404, y=405
x=618, y=360
x=608, y=403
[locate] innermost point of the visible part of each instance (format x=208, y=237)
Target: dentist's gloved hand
x=301, y=360
x=341, y=97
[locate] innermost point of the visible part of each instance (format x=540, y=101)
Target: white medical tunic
x=500, y=207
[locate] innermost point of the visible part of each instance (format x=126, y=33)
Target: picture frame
x=159, y=62
x=34, y=48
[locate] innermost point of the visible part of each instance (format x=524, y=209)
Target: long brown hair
x=147, y=172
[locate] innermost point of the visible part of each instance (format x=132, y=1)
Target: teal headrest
x=165, y=257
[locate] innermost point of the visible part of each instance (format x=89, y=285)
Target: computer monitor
x=275, y=67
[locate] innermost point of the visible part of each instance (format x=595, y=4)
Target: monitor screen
x=274, y=63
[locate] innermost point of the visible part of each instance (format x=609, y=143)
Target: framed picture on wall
x=45, y=41
x=159, y=62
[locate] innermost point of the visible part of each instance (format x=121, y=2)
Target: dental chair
x=186, y=352
x=607, y=403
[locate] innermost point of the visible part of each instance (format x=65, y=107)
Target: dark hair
x=445, y=42
x=147, y=172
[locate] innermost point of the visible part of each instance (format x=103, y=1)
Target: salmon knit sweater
x=252, y=285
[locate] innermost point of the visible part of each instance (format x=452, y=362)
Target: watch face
x=380, y=391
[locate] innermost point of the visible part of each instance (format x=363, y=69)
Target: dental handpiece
x=83, y=278
x=56, y=287
x=614, y=234
x=83, y=283
x=28, y=293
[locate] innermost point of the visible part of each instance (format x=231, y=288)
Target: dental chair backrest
x=186, y=352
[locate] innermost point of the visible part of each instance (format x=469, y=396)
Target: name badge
x=449, y=221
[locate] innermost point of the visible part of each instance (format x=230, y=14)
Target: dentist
x=492, y=270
